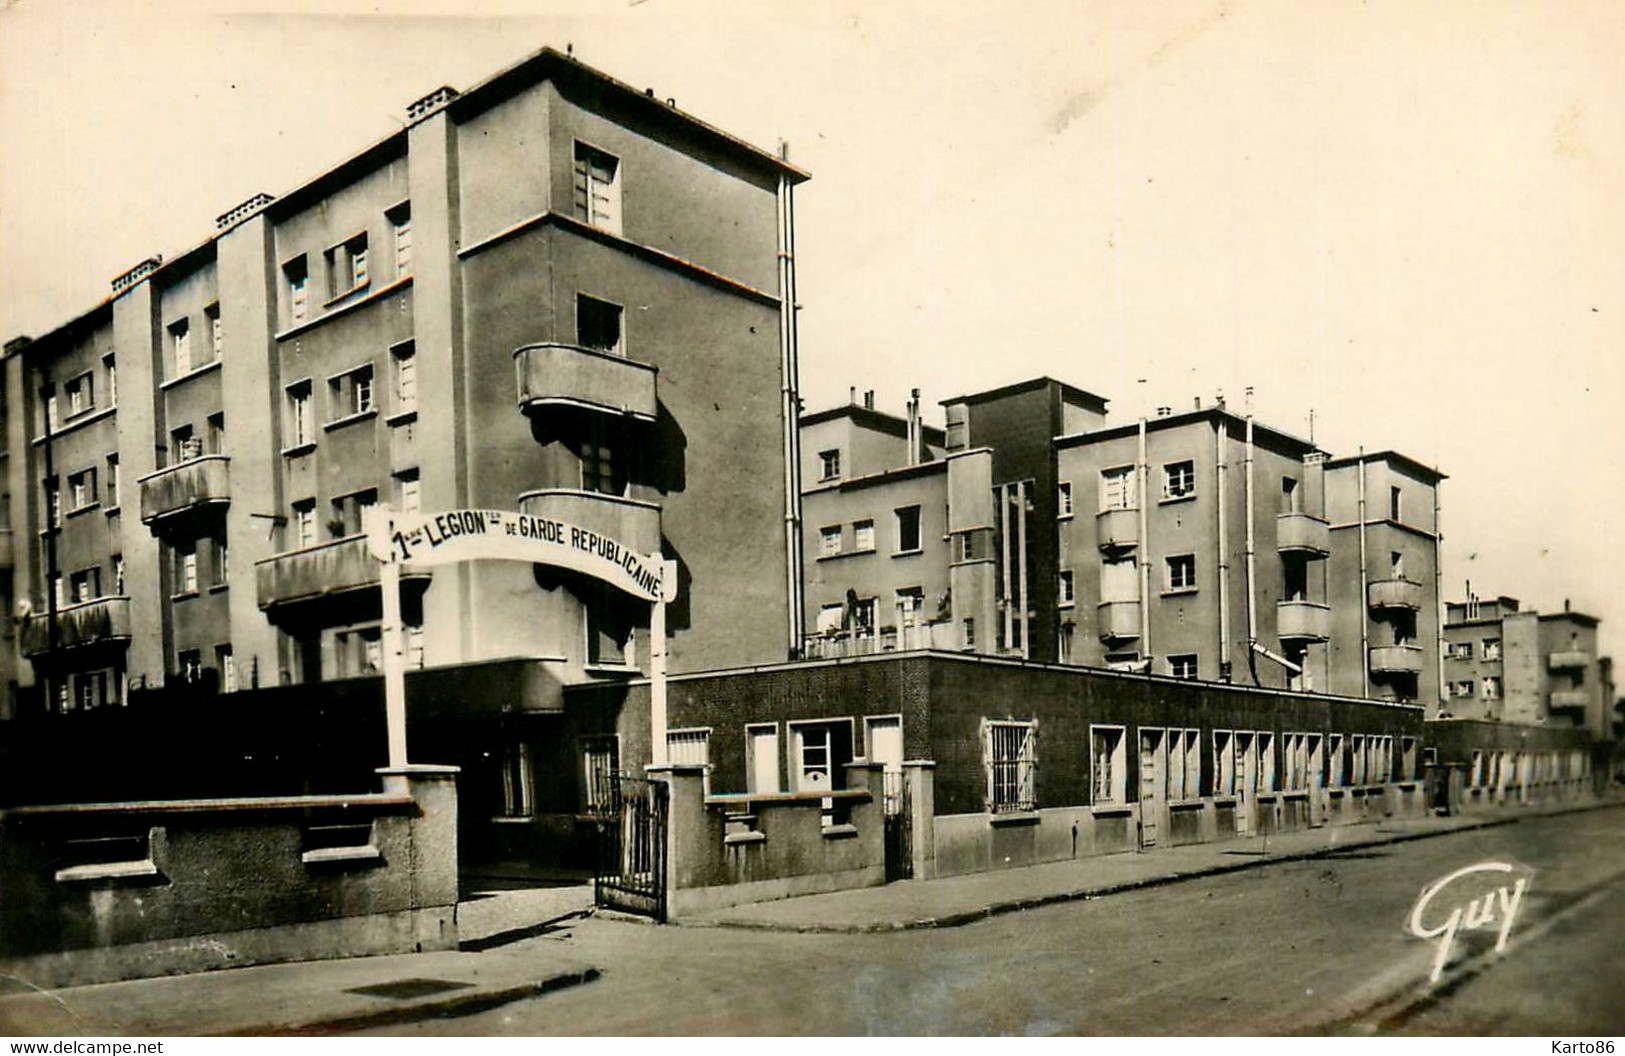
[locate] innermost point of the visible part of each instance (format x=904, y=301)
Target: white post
x=380, y=525
x=657, y=660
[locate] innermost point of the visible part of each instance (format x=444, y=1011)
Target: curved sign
x=470, y=535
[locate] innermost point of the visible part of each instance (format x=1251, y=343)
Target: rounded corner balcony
x=197, y=483
x=326, y=570
x=1568, y=660
x=1395, y=594
x=1303, y=534
x=631, y=522
x=1119, y=620
x=555, y=375
x=1396, y=660
x=1303, y=621
x=84, y=623
x=1118, y=529
x=1569, y=700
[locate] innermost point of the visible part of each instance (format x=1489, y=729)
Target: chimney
x=1218, y=400
x=1198, y=403
x=852, y=395
x=1565, y=604
x=1163, y=412
x=913, y=428
x=869, y=400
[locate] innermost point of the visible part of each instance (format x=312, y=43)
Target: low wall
x=728, y=850
x=101, y=892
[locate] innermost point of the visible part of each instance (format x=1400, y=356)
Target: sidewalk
x=958, y=900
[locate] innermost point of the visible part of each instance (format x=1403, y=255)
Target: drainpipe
x=790, y=410
x=1365, y=630
x=1438, y=590
x=1220, y=434
x=1145, y=553
x=47, y=391
x=1252, y=600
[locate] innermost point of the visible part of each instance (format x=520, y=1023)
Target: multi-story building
x=1509, y=664
x=551, y=293
x=1202, y=545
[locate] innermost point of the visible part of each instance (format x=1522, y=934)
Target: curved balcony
x=1395, y=594
x=1119, y=620
x=558, y=375
x=1569, y=660
x=86, y=623
x=1303, y=621
x=203, y=481
x=1117, y=530
x=1396, y=660
x=633, y=523
x=1570, y=700
x=339, y=567
x=1303, y=534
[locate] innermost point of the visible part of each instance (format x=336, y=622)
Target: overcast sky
x=1407, y=218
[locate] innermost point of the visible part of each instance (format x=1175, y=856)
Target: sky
x=1404, y=220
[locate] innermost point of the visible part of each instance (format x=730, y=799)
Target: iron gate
x=631, y=872
x=899, y=827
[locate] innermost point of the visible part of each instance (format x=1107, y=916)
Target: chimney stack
x=914, y=431
x=869, y=400
x=1163, y=412
x=852, y=395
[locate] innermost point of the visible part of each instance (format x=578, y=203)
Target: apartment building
x=550, y=293
x=1509, y=664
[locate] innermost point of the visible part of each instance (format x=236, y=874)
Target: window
x=81, y=394
x=350, y=513
x=304, y=523
x=1395, y=504
x=1291, y=497
x=609, y=617
x=112, y=482
x=1182, y=666
x=217, y=331
x=183, y=446
x=215, y=438
x=1407, y=759
x=831, y=617
x=414, y=645
x=1461, y=651
x=86, y=585
x=829, y=465
x=518, y=792
x=910, y=603
x=1110, y=778
x=59, y=590
x=1358, y=761
x=967, y=547
x=296, y=275
x=300, y=425
x=1184, y=772
x=1063, y=499
x=600, y=762
x=598, y=325
x=601, y=471
x=1492, y=688
x=226, y=664
x=1492, y=648
x=1064, y=589
x=111, y=366
x=1224, y=763
x=118, y=573
x=219, y=559
x=597, y=188
x=1396, y=564
x=81, y=490
x=404, y=356
x=1463, y=689
x=53, y=502
x=1178, y=480
x=1182, y=572
x=968, y=633
x=347, y=266
x=408, y=491
x=818, y=751
x=1008, y=751
x=400, y=221
x=863, y=535
x=190, y=666
x=183, y=567
x=180, y=346
x=829, y=541
x=691, y=748
x=908, y=529
x=351, y=393
x=1117, y=489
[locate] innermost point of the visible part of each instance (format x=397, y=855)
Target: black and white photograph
x=871, y=519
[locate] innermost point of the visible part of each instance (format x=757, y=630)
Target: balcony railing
x=84, y=623
x=1568, y=660
x=1119, y=620
x=558, y=375
x=1570, y=700
x=1303, y=533
x=1303, y=621
x=1396, y=660
x=1395, y=594
x=631, y=522
x=196, y=482
x=1118, y=529
x=339, y=567
x=840, y=644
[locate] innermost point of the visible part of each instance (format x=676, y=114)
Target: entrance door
x=1246, y=781
x=1151, y=786
x=764, y=759
x=885, y=744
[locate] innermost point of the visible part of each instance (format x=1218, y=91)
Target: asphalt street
x=1312, y=946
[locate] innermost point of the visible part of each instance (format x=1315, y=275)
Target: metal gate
x=899, y=826
x=631, y=872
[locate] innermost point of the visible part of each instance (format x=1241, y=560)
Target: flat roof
x=870, y=418
x=1428, y=473
x=1042, y=381
x=1206, y=414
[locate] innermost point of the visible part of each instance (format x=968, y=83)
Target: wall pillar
x=921, y=807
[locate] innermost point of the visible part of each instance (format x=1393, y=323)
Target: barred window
x=1012, y=766
x=600, y=760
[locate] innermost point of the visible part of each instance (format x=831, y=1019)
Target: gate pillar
x=686, y=827
x=921, y=805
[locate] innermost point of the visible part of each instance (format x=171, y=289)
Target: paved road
x=1307, y=946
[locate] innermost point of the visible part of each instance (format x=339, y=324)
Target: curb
x=971, y=916
x=444, y=1008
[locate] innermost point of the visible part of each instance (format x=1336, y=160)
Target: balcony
x=633, y=523
x=1303, y=621
x=316, y=572
x=1119, y=620
x=1570, y=700
x=1569, y=660
x=1303, y=534
x=555, y=375
x=1396, y=660
x=204, y=481
x=1118, y=529
x=86, y=623
x=1395, y=594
